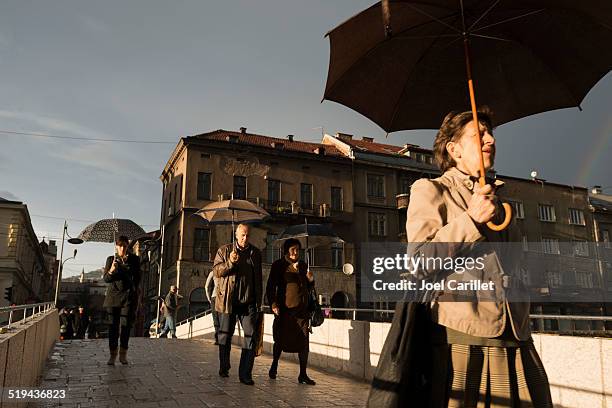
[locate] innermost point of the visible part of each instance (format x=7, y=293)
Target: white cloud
x=108, y=158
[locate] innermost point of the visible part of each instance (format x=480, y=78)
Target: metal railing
x=387, y=314
x=35, y=308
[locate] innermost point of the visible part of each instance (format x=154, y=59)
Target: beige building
x=292, y=180
x=25, y=276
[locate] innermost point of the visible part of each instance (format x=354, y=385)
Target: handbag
x=316, y=314
x=403, y=375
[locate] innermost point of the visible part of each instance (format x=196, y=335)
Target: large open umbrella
x=310, y=236
x=406, y=63
x=108, y=229
x=232, y=212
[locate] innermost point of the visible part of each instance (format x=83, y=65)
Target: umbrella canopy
x=232, y=211
x=528, y=56
x=310, y=235
x=107, y=230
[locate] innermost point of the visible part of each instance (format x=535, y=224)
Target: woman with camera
x=287, y=293
x=122, y=273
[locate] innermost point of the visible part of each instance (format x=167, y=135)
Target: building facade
x=294, y=181
x=25, y=275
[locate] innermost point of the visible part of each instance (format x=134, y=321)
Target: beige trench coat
x=437, y=214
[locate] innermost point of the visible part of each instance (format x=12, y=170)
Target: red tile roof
x=381, y=148
x=267, y=141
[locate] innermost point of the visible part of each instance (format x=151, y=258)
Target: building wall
x=22, y=264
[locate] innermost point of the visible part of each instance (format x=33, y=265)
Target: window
x=550, y=245
x=376, y=186
x=272, y=253
x=240, y=188
x=605, y=237
x=517, y=208
x=176, y=198
x=576, y=217
x=554, y=279
x=306, y=196
x=204, y=186
x=170, y=204
x=404, y=187
x=336, y=198
x=525, y=243
x=581, y=248
x=337, y=255
x=584, y=280
x=377, y=224
x=546, y=213
x=201, y=245
x=274, y=192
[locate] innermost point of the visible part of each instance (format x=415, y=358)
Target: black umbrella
x=108, y=229
x=310, y=235
x=405, y=63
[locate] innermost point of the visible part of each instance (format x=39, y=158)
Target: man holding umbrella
x=237, y=267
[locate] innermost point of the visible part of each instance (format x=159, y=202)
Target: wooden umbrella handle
x=507, y=219
x=481, y=180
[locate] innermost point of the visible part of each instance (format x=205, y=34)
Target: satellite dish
x=348, y=269
x=534, y=174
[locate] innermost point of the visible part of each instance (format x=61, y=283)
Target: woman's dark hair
x=451, y=130
x=290, y=243
x=122, y=240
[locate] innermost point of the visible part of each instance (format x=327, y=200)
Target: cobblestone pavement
x=174, y=372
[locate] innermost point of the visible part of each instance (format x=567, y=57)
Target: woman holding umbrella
x=287, y=293
x=482, y=351
x=122, y=273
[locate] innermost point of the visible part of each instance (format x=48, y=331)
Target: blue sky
x=158, y=70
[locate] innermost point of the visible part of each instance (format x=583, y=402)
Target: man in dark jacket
x=80, y=323
x=170, y=307
x=237, y=268
x=122, y=273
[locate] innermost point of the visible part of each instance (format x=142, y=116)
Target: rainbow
x=595, y=153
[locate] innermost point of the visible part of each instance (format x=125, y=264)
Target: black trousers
x=122, y=319
x=248, y=316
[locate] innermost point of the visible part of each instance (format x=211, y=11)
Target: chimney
x=320, y=150
x=367, y=139
x=243, y=130
x=290, y=138
x=344, y=136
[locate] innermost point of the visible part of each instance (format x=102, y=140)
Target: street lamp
x=74, y=241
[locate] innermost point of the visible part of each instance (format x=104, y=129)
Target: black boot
x=273, y=369
x=247, y=359
x=224, y=360
x=303, y=377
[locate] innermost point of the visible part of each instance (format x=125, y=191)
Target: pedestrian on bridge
x=122, y=273
x=288, y=293
x=211, y=294
x=237, y=267
x=170, y=307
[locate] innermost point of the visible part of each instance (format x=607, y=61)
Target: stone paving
x=176, y=372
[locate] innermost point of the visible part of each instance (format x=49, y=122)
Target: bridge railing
x=10, y=315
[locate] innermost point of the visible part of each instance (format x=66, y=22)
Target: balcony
x=292, y=208
x=402, y=201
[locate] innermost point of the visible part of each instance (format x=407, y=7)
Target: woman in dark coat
x=287, y=293
x=122, y=273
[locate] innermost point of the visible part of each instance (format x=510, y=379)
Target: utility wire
x=91, y=139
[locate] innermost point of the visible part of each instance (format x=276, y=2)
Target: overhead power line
x=91, y=139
